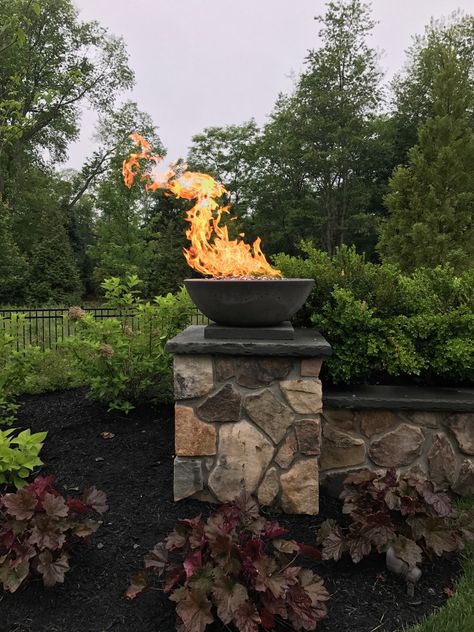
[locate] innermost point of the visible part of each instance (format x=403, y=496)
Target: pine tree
x=431, y=200
x=53, y=274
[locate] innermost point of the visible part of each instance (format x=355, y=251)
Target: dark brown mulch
x=135, y=470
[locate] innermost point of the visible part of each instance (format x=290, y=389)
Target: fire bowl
x=249, y=302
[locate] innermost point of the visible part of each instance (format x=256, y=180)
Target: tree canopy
x=345, y=158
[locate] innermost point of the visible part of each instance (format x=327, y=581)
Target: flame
x=211, y=251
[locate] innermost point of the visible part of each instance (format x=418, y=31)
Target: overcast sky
x=202, y=63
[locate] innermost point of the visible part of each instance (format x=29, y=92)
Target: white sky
x=202, y=63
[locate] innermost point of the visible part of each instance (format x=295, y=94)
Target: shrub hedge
x=385, y=326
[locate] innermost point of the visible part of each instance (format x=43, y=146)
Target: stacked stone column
x=249, y=420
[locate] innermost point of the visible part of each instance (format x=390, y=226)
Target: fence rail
x=45, y=328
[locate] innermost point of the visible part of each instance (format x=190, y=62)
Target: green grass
x=458, y=613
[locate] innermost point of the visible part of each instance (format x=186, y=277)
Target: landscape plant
x=122, y=359
x=37, y=530
x=400, y=516
x=235, y=567
x=16, y=365
x=19, y=455
x=384, y=325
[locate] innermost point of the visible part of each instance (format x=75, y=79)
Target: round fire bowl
x=249, y=302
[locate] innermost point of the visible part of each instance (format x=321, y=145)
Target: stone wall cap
x=306, y=343
x=400, y=397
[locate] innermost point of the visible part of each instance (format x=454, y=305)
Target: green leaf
x=21, y=37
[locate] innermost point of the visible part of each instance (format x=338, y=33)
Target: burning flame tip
x=211, y=251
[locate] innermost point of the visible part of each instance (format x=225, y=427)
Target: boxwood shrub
x=385, y=326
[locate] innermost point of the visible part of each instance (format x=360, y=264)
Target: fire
x=211, y=251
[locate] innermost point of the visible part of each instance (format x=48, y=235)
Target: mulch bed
x=135, y=470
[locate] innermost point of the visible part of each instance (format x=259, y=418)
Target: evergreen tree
x=13, y=266
x=413, y=96
x=53, y=273
x=165, y=230
x=120, y=246
x=431, y=201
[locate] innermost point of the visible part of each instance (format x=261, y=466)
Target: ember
x=211, y=252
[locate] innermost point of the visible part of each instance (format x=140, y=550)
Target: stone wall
x=248, y=422
x=439, y=443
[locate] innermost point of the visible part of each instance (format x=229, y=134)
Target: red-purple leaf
x=334, y=546
x=300, y=611
x=359, y=546
x=172, y=577
x=228, y=596
x=193, y=608
x=52, y=569
x=157, y=558
x=177, y=538
x=440, y=537
x=11, y=578
x=85, y=527
x=54, y=506
x=247, y=618
x=20, y=505
x=76, y=505
x=273, y=530
x=95, y=499
x=407, y=550
x=137, y=585
x=268, y=577
x=46, y=535
x=192, y=563
x=313, y=585
x=23, y=554
x=305, y=549
x=41, y=485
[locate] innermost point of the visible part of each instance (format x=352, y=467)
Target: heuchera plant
x=235, y=566
x=402, y=516
x=36, y=528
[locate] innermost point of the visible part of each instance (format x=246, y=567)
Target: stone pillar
x=248, y=417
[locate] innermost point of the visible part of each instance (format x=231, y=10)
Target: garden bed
x=135, y=469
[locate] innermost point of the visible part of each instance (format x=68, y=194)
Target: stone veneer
x=248, y=420
x=428, y=431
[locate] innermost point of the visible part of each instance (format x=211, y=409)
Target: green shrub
x=53, y=370
x=383, y=324
x=123, y=360
x=16, y=365
x=19, y=455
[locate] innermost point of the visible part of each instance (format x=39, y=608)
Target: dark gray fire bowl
x=249, y=302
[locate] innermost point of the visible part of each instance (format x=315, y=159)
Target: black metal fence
x=45, y=328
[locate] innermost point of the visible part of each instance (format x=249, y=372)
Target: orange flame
x=211, y=251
